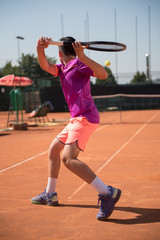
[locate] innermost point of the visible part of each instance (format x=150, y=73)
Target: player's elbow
x=103, y=75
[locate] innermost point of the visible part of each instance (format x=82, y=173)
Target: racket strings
x=107, y=47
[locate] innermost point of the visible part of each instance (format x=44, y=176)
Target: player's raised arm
x=43, y=43
x=99, y=70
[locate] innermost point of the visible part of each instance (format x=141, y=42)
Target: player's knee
x=54, y=150
x=66, y=160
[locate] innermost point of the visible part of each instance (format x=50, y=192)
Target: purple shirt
x=75, y=81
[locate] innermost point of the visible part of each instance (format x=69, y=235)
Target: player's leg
x=108, y=196
x=54, y=158
x=54, y=163
x=81, y=169
x=70, y=160
x=49, y=196
x=78, y=135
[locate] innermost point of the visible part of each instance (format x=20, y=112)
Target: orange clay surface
x=125, y=155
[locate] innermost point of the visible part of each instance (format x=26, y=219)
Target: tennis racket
x=96, y=45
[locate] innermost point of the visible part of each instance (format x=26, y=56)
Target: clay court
x=125, y=155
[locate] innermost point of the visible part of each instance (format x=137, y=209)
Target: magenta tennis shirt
x=75, y=81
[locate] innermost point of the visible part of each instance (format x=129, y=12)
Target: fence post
x=120, y=106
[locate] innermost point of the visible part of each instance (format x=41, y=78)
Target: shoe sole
x=116, y=200
x=48, y=204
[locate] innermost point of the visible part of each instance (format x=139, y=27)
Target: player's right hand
x=43, y=42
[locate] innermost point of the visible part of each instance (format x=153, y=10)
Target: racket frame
x=122, y=46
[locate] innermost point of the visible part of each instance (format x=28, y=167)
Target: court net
x=138, y=104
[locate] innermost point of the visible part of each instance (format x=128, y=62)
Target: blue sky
x=34, y=18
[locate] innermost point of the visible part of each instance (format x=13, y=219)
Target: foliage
x=139, y=78
x=109, y=80
x=29, y=67
x=9, y=69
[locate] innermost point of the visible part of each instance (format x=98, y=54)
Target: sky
x=34, y=18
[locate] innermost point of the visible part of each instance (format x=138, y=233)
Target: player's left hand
x=43, y=42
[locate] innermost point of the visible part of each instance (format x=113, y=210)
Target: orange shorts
x=78, y=130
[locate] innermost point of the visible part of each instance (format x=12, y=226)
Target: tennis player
x=75, y=71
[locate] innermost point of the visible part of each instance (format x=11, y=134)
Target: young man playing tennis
x=74, y=72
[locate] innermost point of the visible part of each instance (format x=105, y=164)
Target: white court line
x=31, y=158
x=118, y=151
x=28, y=159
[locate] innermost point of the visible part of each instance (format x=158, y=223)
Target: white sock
x=51, y=186
x=99, y=186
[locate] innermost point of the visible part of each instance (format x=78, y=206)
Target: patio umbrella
x=11, y=80
x=15, y=94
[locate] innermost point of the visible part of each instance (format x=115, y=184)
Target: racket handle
x=57, y=43
x=61, y=43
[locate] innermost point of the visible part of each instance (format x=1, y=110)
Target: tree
x=9, y=69
x=29, y=67
x=109, y=80
x=139, y=78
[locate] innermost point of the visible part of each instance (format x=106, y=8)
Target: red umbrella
x=11, y=80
